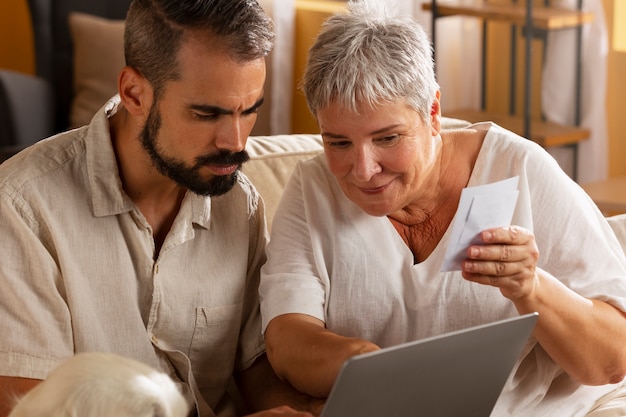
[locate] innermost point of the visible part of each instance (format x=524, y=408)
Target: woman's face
x=385, y=157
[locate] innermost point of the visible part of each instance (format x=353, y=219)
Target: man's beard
x=189, y=177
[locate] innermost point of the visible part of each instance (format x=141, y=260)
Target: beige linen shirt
x=78, y=273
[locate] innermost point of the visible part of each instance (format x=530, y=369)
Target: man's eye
x=254, y=110
x=205, y=116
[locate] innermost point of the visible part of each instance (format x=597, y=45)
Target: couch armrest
x=26, y=111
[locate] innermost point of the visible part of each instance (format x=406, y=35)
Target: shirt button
x=154, y=339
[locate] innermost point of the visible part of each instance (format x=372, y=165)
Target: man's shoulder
x=43, y=160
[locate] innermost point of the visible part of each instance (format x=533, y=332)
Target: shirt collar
x=107, y=195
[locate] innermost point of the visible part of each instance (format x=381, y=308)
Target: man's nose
x=231, y=136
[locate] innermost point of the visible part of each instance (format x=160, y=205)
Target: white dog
x=103, y=385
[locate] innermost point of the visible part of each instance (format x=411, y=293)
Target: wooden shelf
x=548, y=18
x=546, y=134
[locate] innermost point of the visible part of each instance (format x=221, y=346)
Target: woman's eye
x=386, y=140
x=339, y=144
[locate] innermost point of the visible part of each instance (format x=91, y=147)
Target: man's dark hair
x=155, y=29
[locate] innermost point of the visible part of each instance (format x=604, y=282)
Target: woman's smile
x=373, y=190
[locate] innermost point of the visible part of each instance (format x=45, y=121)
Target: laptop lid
x=455, y=374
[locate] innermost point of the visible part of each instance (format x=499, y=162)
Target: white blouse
x=329, y=259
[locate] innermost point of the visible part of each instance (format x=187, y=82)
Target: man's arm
x=11, y=390
x=261, y=389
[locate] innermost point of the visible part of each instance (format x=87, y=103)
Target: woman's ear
x=435, y=114
x=135, y=92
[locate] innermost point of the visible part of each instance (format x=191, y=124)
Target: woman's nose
x=366, y=164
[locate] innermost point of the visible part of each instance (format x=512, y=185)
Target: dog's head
x=103, y=385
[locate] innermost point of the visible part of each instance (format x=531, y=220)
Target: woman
x=359, y=238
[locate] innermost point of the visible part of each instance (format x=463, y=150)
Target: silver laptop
x=456, y=374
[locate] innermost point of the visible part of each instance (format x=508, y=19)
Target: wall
x=16, y=51
x=310, y=15
x=616, y=97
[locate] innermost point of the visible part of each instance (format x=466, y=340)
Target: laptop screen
x=455, y=374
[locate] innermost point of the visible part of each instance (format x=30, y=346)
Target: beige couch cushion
x=272, y=160
x=98, y=58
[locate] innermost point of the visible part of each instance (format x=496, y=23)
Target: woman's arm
x=585, y=337
x=303, y=352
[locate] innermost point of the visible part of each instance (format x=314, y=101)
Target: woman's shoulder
x=504, y=144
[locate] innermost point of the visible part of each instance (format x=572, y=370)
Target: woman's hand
x=572, y=329
x=507, y=260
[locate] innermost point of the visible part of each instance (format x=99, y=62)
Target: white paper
x=480, y=208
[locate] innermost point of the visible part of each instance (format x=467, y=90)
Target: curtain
x=275, y=117
x=458, y=52
x=558, y=93
x=282, y=65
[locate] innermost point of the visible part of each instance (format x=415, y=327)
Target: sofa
x=272, y=159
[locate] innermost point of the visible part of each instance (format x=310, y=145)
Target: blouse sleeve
x=291, y=282
x=575, y=241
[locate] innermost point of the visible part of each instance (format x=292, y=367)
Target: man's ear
x=135, y=92
x=435, y=114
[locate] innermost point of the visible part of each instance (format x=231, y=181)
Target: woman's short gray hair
x=370, y=56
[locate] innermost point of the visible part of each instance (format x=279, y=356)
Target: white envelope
x=481, y=207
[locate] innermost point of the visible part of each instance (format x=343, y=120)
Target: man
x=137, y=234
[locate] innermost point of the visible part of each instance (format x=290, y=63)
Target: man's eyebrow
x=207, y=108
x=255, y=106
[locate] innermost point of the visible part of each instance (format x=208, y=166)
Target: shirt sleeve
x=34, y=317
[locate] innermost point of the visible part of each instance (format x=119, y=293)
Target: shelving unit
x=546, y=134
x=533, y=20
x=542, y=17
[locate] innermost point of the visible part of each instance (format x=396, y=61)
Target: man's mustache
x=223, y=158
